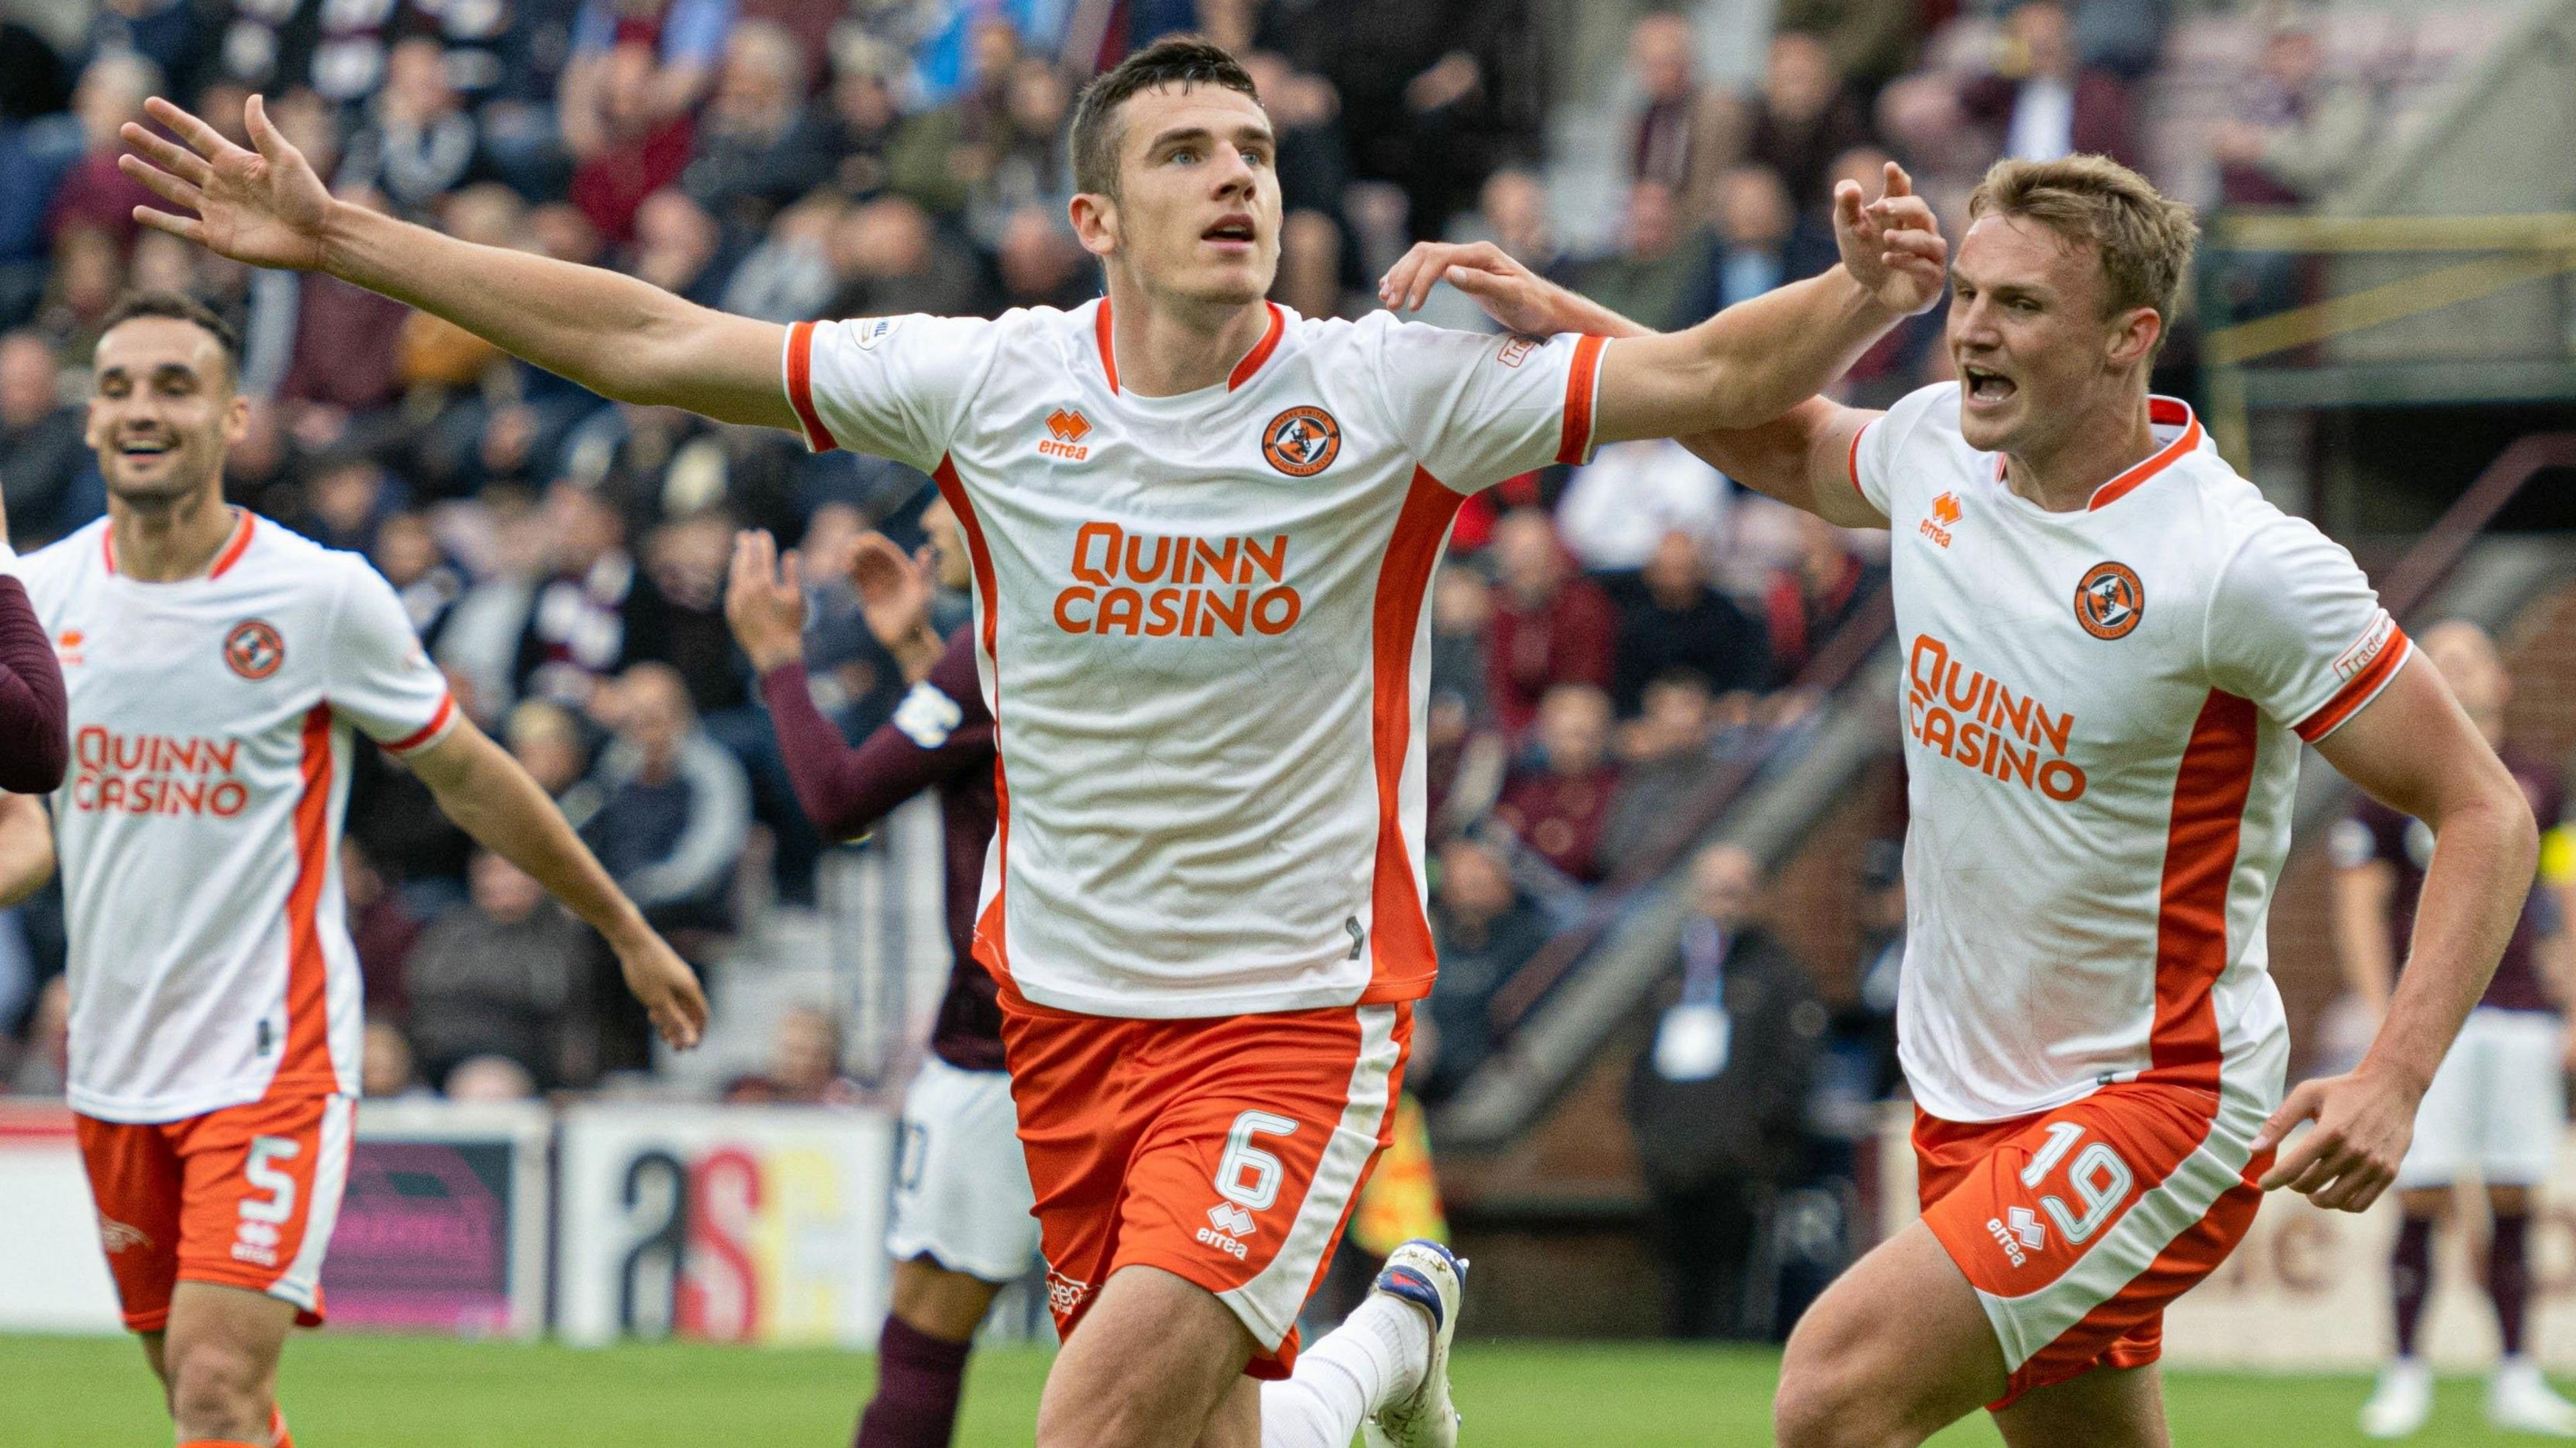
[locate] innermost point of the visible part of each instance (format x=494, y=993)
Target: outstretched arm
x=1757, y=359
x=616, y=335
x=2415, y=751
x=487, y=794
x=1801, y=457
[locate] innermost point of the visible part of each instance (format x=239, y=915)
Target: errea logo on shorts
x=2004, y=1239
x=116, y=1236
x=1063, y=1293
x=1227, y=1225
x=256, y=1242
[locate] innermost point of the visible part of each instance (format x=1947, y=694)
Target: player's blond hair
x=2143, y=237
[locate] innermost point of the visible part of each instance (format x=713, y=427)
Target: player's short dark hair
x=179, y=307
x=1175, y=60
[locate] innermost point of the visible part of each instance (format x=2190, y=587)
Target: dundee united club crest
x=253, y=649
x=1302, y=441
x=2110, y=600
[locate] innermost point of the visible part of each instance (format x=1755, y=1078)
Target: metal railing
x=2356, y=322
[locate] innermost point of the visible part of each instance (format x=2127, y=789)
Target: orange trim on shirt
x=800, y=387
x=2361, y=689
x=2163, y=410
x=422, y=735
x=2201, y=838
x=1108, y=354
x=233, y=550
x=234, y=546
x=1853, y=462
x=307, y=1062
x=1401, y=960
x=990, y=926
x=1260, y=352
x=1582, y=379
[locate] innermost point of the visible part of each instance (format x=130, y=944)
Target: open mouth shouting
x=1986, y=387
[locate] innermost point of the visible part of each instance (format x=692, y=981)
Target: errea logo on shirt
x=1945, y=516
x=1066, y=429
x=1203, y=585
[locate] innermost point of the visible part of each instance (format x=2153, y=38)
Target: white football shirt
x=1202, y=630
x=2102, y=712
x=198, y=828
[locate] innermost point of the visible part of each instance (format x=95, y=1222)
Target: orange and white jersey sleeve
x=1884, y=439
x=1475, y=408
x=897, y=387
x=381, y=680
x=2296, y=627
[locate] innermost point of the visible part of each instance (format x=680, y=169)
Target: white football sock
x=1377, y=1356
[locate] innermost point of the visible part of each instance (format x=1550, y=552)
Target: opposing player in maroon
x=2498, y=1105
x=960, y=1226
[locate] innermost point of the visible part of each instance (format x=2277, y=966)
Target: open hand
x=1512, y=294
x=667, y=987
x=265, y=207
x=1892, y=246
x=894, y=588
x=765, y=601
x=2364, y=1121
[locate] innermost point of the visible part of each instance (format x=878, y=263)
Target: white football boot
x=1427, y=1275
x=2402, y=1401
x=2520, y=1400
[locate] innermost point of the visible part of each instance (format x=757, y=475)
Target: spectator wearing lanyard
x=1718, y=1099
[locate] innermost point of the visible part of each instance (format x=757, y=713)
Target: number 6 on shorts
x=1243, y=1160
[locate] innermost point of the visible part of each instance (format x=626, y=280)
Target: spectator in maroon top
x=94, y=193
x=1550, y=626
x=625, y=143
x=2046, y=103
x=1809, y=602
x=381, y=929
x=1561, y=807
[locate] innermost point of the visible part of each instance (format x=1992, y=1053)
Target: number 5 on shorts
x=1246, y=1175
x=280, y=1187
x=2098, y=1176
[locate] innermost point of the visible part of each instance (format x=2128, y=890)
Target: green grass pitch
x=346, y=1390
